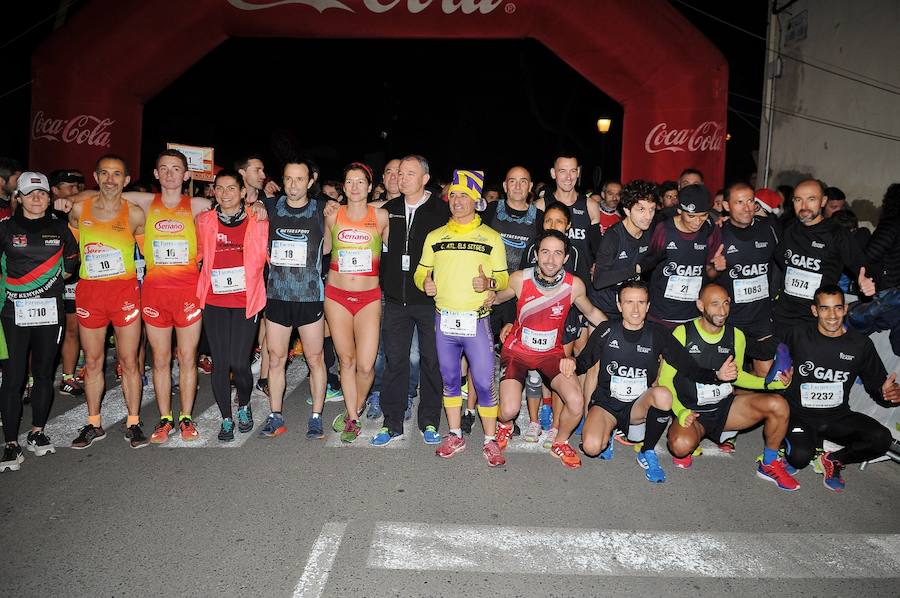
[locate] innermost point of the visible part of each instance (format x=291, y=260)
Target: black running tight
x=231, y=336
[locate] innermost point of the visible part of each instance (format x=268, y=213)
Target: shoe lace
x=652, y=459
x=244, y=415
x=228, y=425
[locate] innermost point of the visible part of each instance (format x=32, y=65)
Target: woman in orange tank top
x=352, y=293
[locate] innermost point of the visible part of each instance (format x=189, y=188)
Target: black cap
x=65, y=176
x=694, y=199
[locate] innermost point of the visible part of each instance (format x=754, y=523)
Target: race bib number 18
x=288, y=253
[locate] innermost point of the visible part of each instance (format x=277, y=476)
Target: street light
x=603, y=125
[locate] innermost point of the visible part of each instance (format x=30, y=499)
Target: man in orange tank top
x=108, y=293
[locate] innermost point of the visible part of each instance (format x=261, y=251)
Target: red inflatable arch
x=92, y=77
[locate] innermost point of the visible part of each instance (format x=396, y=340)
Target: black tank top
x=295, y=252
x=705, y=397
x=580, y=225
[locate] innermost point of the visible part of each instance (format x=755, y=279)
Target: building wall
x=858, y=39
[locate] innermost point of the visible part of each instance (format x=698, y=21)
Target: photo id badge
x=404, y=262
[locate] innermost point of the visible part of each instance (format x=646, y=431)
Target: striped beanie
x=470, y=182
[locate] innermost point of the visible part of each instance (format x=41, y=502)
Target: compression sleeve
x=746, y=379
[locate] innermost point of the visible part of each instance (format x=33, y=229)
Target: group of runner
x=610, y=314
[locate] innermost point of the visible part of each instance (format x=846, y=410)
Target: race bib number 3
x=288, y=253
x=751, y=289
x=36, y=312
x=353, y=261
x=458, y=323
x=105, y=263
x=538, y=340
x=228, y=280
x=170, y=252
x=800, y=283
x=626, y=389
x=821, y=395
x=710, y=394
x=683, y=288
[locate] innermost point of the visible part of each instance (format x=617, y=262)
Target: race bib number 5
x=458, y=323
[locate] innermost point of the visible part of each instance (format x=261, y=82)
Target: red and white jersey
x=540, y=315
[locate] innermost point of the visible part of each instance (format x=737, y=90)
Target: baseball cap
x=32, y=181
x=65, y=176
x=767, y=199
x=694, y=199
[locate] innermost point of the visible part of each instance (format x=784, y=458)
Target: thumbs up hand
x=430, y=287
x=890, y=390
x=481, y=283
x=866, y=284
x=718, y=261
x=728, y=371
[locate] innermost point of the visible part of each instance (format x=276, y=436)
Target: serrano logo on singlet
x=82, y=313
x=801, y=261
x=467, y=7
x=809, y=368
x=356, y=237
x=748, y=270
x=706, y=137
x=169, y=226
x=682, y=270
x=614, y=369
x=95, y=248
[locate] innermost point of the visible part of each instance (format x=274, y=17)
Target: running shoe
x=832, y=472
x=545, y=416
x=467, y=421
x=683, y=462
x=70, y=386
x=205, y=364
x=337, y=424
x=622, y=438
x=226, y=432
x=39, y=444
x=504, y=433
x=314, y=428
x=607, y=453
x=274, y=426
x=162, y=431
x=430, y=435
x=550, y=437
x=256, y=363
x=245, y=419
x=383, y=437
x=351, y=431
x=296, y=349
x=136, y=437
x=728, y=446
x=87, y=435
x=450, y=445
x=26, y=394
x=262, y=385
x=409, y=405
x=374, y=405
x=776, y=473
x=189, y=431
x=650, y=462
x=12, y=457
x=566, y=454
x=532, y=433
x=493, y=454
x=333, y=395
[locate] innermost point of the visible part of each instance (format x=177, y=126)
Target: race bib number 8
x=36, y=312
x=353, y=261
x=228, y=280
x=105, y=263
x=821, y=395
x=683, y=288
x=710, y=394
x=288, y=253
x=626, y=389
x=538, y=340
x=751, y=289
x=800, y=283
x=458, y=323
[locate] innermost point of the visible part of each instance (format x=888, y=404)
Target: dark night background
x=354, y=101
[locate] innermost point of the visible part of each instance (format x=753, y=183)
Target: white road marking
x=321, y=559
x=555, y=551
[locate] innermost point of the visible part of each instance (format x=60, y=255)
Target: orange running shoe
x=566, y=454
x=163, y=430
x=189, y=431
x=504, y=433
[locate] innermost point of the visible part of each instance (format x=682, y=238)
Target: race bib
x=800, y=283
x=710, y=394
x=458, y=323
x=105, y=263
x=821, y=395
x=352, y=261
x=288, y=253
x=36, y=312
x=69, y=293
x=228, y=280
x=751, y=289
x=170, y=252
x=626, y=389
x=538, y=340
x=683, y=288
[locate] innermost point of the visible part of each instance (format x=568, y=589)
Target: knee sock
x=657, y=420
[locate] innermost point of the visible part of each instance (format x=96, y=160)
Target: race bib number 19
x=710, y=394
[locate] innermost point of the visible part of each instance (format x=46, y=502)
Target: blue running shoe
x=831, y=472
x=545, y=416
x=374, y=405
x=650, y=463
x=314, y=428
x=226, y=433
x=383, y=437
x=607, y=454
x=409, y=405
x=245, y=419
x=430, y=435
x=274, y=426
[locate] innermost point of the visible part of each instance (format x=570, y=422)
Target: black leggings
x=862, y=437
x=231, y=336
x=43, y=342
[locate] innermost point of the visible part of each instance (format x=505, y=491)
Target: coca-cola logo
x=84, y=129
x=169, y=226
x=466, y=7
x=356, y=237
x=706, y=137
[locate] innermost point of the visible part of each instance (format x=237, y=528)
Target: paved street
x=294, y=517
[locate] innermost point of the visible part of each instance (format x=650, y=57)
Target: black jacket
x=882, y=253
x=397, y=285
